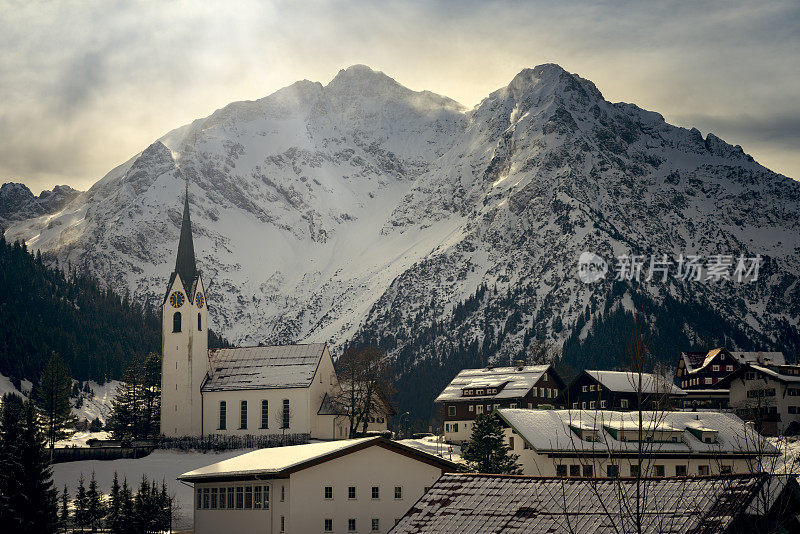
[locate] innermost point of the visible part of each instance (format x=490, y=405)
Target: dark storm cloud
x=85, y=85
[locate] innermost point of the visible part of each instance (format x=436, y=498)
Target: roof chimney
x=519, y=364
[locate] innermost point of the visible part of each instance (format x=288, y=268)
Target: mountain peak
x=363, y=79
x=552, y=78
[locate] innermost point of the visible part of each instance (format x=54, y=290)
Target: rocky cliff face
x=17, y=203
x=364, y=210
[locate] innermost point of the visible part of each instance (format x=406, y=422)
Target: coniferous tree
x=113, y=510
x=127, y=517
x=486, y=451
x=51, y=396
x=28, y=500
x=63, y=516
x=136, y=407
x=94, y=505
x=80, y=505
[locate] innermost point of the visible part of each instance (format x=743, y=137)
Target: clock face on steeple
x=200, y=300
x=176, y=299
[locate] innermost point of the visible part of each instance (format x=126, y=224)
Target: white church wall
x=299, y=421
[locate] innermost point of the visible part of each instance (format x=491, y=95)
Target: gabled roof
x=518, y=382
x=549, y=430
x=283, y=461
x=695, y=361
x=628, y=382
x=284, y=366
x=477, y=503
x=771, y=372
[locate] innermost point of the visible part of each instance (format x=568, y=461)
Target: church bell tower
x=184, y=341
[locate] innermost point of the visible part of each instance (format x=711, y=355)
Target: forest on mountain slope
x=45, y=310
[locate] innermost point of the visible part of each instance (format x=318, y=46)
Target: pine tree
x=486, y=451
x=80, y=505
x=63, y=518
x=114, y=506
x=127, y=517
x=11, y=469
x=94, y=505
x=52, y=398
x=136, y=409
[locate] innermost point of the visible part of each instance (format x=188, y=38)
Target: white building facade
x=361, y=485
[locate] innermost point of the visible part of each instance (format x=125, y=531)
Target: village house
x=597, y=443
x=476, y=391
x=357, y=485
x=618, y=390
x=264, y=390
x=467, y=503
x=768, y=396
x=700, y=374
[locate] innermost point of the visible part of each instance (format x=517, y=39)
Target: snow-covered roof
x=285, y=366
x=460, y=503
x=285, y=460
x=625, y=381
x=775, y=374
x=549, y=430
x=518, y=381
x=696, y=361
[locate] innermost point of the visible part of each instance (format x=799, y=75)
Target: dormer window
x=478, y=392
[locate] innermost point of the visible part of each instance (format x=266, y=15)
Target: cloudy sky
x=85, y=85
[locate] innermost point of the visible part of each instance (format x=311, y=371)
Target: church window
x=199, y=323
x=223, y=414
x=286, y=413
x=264, y=414
x=176, y=322
x=243, y=416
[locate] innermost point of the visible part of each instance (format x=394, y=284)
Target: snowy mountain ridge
x=363, y=209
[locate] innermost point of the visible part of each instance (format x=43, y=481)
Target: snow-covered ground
x=79, y=438
x=435, y=445
x=99, y=405
x=7, y=387
x=158, y=466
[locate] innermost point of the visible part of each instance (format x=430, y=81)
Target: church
x=237, y=391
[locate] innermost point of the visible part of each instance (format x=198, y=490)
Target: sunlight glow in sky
x=86, y=85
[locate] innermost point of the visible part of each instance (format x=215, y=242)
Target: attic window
x=478, y=392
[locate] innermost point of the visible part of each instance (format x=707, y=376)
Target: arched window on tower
x=199, y=323
x=176, y=322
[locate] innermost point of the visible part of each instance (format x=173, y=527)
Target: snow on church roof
x=286, y=366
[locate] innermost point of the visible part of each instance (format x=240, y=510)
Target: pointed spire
x=185, y=264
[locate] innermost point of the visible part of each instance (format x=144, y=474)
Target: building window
x=583, y=405
x=588, y=471
x=535, y=392
x=239, y=497
x=561, y=470
x=199, y=323
x=634, y=470
x=592, y=405
x=376, y=492
x=376, y=524
x=214, y=498
x=708, y=380
x=544, y=377
x=455, y=427
x=715, y=368
x=658, y=470
x=729, y=368
x=511, y=443
x=243, y=416
x=351, y=492
x=574, y=405
x=680, y=470
x=283, y=493
x=478, y=392
x=286, y=413
x=602, y=404
x=199, y=500
x=591, y=387
x=623, y=403
x=327, y=492
x=222, y=499
x=264, y=414
x=574, y=470
x=584, y=389
x=451, y=410
x=479, y=409
x=725, y=469
x=398, y=492
x=283, y=524
x=612, y=471
x=257, y=497
x=176, y=322
x=351, y=525
x=513, y=405
x=702, y=470
x=230, y=498
x=471, y=408
x=248, y=497
x=223, y=409
x=266, y=497
x=327, y=525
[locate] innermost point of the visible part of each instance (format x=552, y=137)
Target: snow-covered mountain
x=18, y=203
x=364, y=209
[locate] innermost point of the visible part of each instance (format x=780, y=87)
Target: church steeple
x=185, y=264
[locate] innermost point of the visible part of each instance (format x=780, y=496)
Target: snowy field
x=158, y=466
x=435, y=445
